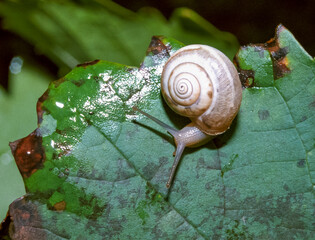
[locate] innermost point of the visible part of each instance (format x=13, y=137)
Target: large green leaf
x=90, y=171
x=71, y=33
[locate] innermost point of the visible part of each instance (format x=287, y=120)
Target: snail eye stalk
x=168, y=128
x=179, y=148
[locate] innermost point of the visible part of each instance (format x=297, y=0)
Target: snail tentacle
x=168, y=128
x=179, y=151
x=189, y=136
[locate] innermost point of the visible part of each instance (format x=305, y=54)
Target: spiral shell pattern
x=186, y=83
x=201, y=83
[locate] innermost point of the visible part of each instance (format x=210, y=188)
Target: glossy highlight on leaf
x=106, y=166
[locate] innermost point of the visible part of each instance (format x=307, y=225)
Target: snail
x=201, y=83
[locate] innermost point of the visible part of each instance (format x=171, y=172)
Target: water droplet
x=16, y=65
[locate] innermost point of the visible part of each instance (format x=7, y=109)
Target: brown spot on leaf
x=28, y=153
x=84, y=65
x=156, y=51
x=157, y=47
x=24, y=216
x=60, y=206
x=39, y=107
x=278, y=55
x=247, y=78
x=79, y=82
x=59, y=81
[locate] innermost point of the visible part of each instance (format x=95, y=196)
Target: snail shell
x=201, y=83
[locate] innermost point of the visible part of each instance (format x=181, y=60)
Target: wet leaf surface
x=104, y=175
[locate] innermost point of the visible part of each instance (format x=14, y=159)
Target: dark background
x=250, y=21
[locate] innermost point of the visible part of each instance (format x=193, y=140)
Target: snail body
x=201, y=83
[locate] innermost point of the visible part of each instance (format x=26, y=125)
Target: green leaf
x=71, y=33
x=52, y=27
x=17, y=118
x=96, y=172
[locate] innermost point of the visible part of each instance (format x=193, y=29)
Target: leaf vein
x=298, y=134
x=136, y=170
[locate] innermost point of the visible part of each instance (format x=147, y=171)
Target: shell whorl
x=201, y=83
x=186, y=82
